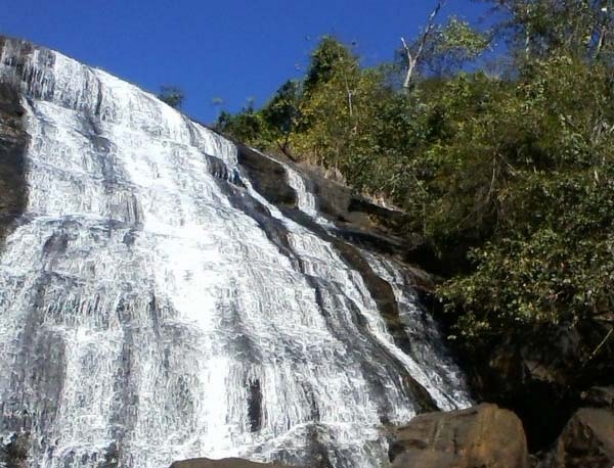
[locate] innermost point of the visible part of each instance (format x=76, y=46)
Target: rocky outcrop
x=357, y=219
x=586, y=441
x=542, y=375
x=14, y=450
x=267, y=175
x=224, y=463
x=484, y=436
x=599, y=397
x=364, y=222
x=13, y=142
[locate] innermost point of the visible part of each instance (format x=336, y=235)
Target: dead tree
x=414, y=58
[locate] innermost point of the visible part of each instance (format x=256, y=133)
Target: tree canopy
x=509, y=176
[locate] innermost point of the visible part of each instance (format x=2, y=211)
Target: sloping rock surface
x=13, y=141
x=163, y=280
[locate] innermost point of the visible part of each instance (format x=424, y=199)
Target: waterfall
x=151, y=310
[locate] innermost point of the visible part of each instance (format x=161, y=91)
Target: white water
x=146, y=315
x=429, y=363
x=306, y=202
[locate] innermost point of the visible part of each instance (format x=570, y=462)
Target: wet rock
x=223, y=463
x=362, y=221
x=267, y=176
x=586, y=441
x=13, y=142
x=384, y=297
x=357, y=219
x=14, y=450
x=484, y=436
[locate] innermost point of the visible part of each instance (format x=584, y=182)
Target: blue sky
x=228, y=49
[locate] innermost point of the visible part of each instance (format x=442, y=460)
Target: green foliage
x=544, y=220
x=329, y=55
x=268, y=128
x=282, y=111
x=452, y=46
x=172, y=95
x=245, y=126
x=540, y=28
x=554, y=266
x=508, y=178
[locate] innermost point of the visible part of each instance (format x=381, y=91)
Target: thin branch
x=413, y=59
x=527, y=38
x=411, y=64
x=350, y=93
x=596, y=350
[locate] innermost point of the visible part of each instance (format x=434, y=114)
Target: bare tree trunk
x=350, y=94
x=527, y=36
x=413, y=59
x=604, y=6
x=600, y=44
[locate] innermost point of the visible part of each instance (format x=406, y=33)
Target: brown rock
x=224, y=463
x=599, y=397
x=484, y=436
x=541, y=375
x=587, y=440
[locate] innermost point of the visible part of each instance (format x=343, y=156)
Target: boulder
x=223, y=463
x=484, y=436
x=599, y=397
x=586, y=441
x=543, y=374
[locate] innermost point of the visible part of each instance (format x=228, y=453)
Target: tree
x=452, y=46
x=334, y=108
x=328, y=57
x=172, y=95
x=246, y=126
x=414, y=54
x=282, y=113
x=540, y=28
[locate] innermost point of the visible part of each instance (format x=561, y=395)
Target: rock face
x=268, y=177
x=13, y=141
x=356, y=219
x=191, y=295
x=599, y=397
x=542, y=375
x=588, y=440
x=14, y=450
x=484, y=436
x=224, y=463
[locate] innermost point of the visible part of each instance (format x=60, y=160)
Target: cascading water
x=150, y=312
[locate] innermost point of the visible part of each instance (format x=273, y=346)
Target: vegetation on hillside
x=505, y=160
